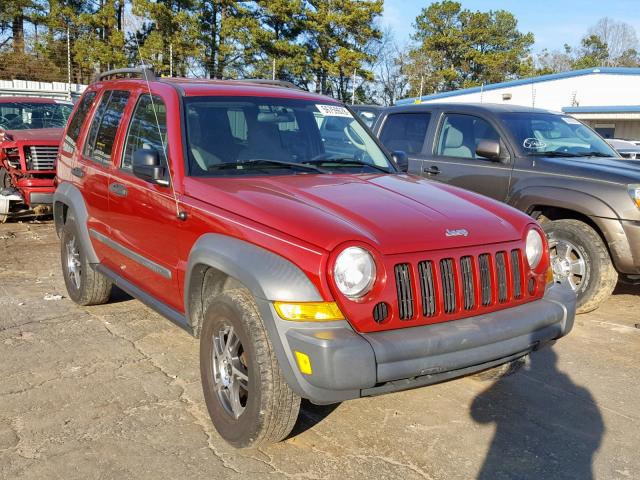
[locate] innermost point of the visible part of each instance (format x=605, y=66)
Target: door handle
x=77, y=172
x=431, y=170
x=118, y=189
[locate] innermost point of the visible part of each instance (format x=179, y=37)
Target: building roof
x=603, y=109
x=526, y=81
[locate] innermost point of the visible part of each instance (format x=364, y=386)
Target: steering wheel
x=351, y=135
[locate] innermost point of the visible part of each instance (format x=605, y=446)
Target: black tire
x=270, y=407
x=599, y=278
x=501, y=371
x=91, y=288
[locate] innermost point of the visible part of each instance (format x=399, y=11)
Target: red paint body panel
x=306, y=219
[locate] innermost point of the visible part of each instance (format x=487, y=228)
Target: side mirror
x=488, y=149
x=401, y=159
x=146, y=165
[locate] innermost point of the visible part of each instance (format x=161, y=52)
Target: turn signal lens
x=634, y=191
x=549, y=276
x=309, y=312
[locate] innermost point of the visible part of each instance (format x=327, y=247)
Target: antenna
x=146, y=68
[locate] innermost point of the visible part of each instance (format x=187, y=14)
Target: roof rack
x=272, y=83
x=145, y=73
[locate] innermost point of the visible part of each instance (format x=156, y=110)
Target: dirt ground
x=113, y=392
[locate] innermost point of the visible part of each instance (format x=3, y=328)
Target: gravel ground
x=113, y=392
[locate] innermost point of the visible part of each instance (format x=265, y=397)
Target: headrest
x=454, y=138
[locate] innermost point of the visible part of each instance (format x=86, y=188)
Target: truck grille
x=452, y=285
x=43, y=157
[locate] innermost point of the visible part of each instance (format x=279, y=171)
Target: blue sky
x=553, y=23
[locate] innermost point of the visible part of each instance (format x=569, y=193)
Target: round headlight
x=534, y=248
x=354, y=272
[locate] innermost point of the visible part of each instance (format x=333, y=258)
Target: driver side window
x=148, y=129
x=460, y=136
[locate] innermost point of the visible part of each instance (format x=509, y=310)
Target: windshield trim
x=185, y=99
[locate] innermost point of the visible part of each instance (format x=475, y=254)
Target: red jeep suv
x=305, y=262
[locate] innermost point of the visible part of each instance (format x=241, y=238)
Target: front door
x=143, y=216
x=454, y=160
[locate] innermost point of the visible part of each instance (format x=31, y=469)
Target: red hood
x=48, y=135
x=394, y=213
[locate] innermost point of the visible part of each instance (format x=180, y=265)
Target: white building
x=608, y=99
x=55, y=90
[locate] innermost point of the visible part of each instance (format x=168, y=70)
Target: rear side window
x=104, y=126
x=148, y=129
x=76, y=121
x=405, y=131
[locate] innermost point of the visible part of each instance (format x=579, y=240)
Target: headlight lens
x=534, y=248
x=634, y=191
x=354, y=272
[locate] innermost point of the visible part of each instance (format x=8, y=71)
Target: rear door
x=407, y=132
x=453, y=159
x=93, y=164
x=142, y=215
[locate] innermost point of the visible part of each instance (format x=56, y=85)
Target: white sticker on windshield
x=333, y=111
x=533, y=143
x=570, y=121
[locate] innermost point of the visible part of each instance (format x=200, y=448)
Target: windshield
x=555, y=135
x=256, y=135
x=28, y=115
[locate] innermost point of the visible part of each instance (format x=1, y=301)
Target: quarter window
x=104, y=126
x=148, y=129
x=405, y=132
x=461, y=134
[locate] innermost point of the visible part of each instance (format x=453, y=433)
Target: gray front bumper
x=350, y=365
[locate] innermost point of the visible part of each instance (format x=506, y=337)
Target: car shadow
x=546, y=425
x=310, y=415
x=626, y=289
x=118, y=295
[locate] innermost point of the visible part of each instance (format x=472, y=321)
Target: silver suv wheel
x=569, y=266
x=230, y=374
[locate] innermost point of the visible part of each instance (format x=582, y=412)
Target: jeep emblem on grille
x=461, y=232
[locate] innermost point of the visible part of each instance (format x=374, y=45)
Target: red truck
x=307, y=268
x=30, y=131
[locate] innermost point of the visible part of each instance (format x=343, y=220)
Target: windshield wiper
x=265, y=162
x=553, y=153
x=595, y=154
x=346, y=162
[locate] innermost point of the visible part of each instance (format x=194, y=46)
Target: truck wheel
x=249, y=401
x=85, y=286
x=501, y=371
x=580, y=260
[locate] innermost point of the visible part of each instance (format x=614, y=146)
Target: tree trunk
x=17, y=30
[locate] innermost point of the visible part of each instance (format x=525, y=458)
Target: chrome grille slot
x=405, y=291
x=515, y=273
x=468, y=288
x=501, y=270
x=485, y=279
x=427, y=290
x=448, y=285
x=43, y=157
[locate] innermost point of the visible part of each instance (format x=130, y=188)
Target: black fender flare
x=69, y=195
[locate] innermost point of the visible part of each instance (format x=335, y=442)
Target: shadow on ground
x=546, y=425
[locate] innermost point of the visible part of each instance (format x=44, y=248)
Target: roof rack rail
x=272, y=83
x=145, y=73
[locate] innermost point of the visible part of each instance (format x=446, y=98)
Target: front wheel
x=581, y=261
x=85, y=286
x=248, y=399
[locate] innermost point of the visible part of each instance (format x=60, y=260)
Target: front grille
x=43, y=157
x=451, y=285
x=405, y=291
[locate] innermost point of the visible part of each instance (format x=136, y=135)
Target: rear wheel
x=581, y=261
x=249, y=401
x=84, y=285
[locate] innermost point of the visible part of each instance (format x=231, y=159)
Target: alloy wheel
x=74, y=266
x=568, y=263
x=230, y=373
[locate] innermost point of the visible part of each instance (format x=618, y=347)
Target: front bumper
x=349, y=365
x=623, y=240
